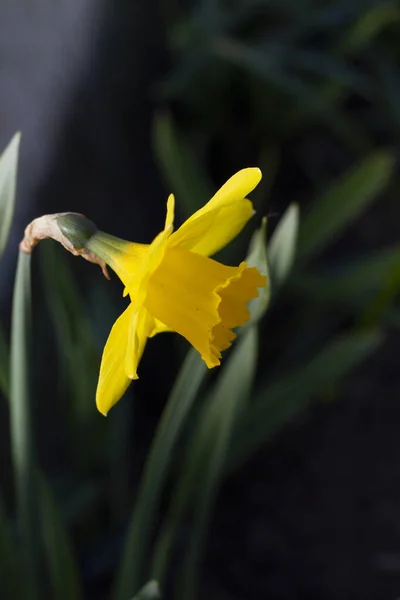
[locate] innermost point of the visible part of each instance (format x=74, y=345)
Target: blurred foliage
x=8, y=182
x=149, y=592
x=308, y=90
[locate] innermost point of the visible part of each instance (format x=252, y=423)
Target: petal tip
x=102, y=410
x=257, y=173
x=252, y=176
x=254, y=171
x=169, y=219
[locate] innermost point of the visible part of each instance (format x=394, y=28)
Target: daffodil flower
x=173, y=285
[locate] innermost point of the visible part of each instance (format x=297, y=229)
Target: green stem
x=20, y=426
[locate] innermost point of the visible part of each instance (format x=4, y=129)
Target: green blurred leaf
x=178, y=165
x=383, y=301
x=351, y=284
x=257, y=257
x=8, y=183
x=389, y=85
x=344, y=201
x=37, y=512
x=59, y=554
x=4, y=365
x=22, y=447
x=394, y=318
x=31, y=505
x=144, y=516
x=369, y=25
x=79, y=357
x=149, y=592
x=330, y=67
x=305, y=99
x=282, y=245
x=10, y=570
x=280, y=401
x=207, y=455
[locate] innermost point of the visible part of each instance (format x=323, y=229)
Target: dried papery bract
x=71, y=230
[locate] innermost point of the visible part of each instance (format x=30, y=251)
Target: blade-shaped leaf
x=12, y=582
x=369, y=25
x=150, y=591
x=144, y=515
x=4, y=365
x=21, y=427
x=78, y=353
x=257, y=257
x=8, y=182
x=206, y=453
x=352, y=283
x=282, y=246
x=383, y=301
x=59, y=554
x=210, y=449
x=344, y=201
x=282, y=400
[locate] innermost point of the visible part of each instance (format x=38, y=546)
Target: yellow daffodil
x=173, y=285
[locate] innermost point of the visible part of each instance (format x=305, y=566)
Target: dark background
x=304, y=89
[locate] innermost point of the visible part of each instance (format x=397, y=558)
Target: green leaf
x=282, y=246
x=22, y=447
x=8, y=182
x=59, y=554
x=280, y=401
x=344, y=201
x=149, y=592
x=4, y=365
x=79, y=356
x=257, y=257
x=37, y=511
x=353, y=283
x=329, y=67
x=178, y=165
x=145, y=513
x=210, y=448
x=383, y=301
x=369, y=25
x=205, y=454
x=12, y=582
x=266, y=63
x=389, y=85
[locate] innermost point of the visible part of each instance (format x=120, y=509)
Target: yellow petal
x=233, y=309
x=188, y=293
x=169, y=219
x=213, y=230
x=159, y=327
x=113, y=380
x=155, y=256
x=136, y=286
x=140, y=328
x=221, y=219
x=238, y=186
